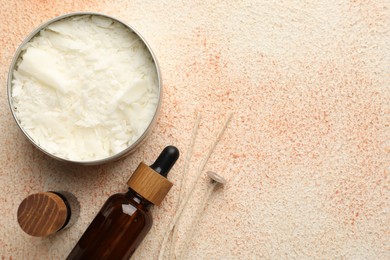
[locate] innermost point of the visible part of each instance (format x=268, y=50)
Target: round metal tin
x=117, y=156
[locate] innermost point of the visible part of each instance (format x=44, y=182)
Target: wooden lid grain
x=42, y=214
x=149, y=184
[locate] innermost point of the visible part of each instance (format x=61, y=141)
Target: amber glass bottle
x=125, y=219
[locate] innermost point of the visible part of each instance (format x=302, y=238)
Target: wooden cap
x=149, y=184
x=42, y=214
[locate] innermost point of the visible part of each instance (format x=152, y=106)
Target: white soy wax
x=85, y=88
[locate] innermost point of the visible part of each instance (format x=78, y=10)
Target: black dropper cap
x=150, y=182
x=166, y=160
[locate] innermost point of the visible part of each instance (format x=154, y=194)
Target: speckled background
x=306, y=153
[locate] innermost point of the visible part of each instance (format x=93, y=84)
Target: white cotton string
x=183, y=178
x=216, y=180
x=195, y=223
x=185, y=200
x=189, y=155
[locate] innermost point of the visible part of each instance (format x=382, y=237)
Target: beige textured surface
x=306, y=154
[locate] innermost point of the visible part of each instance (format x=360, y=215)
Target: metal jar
x=114, y=157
